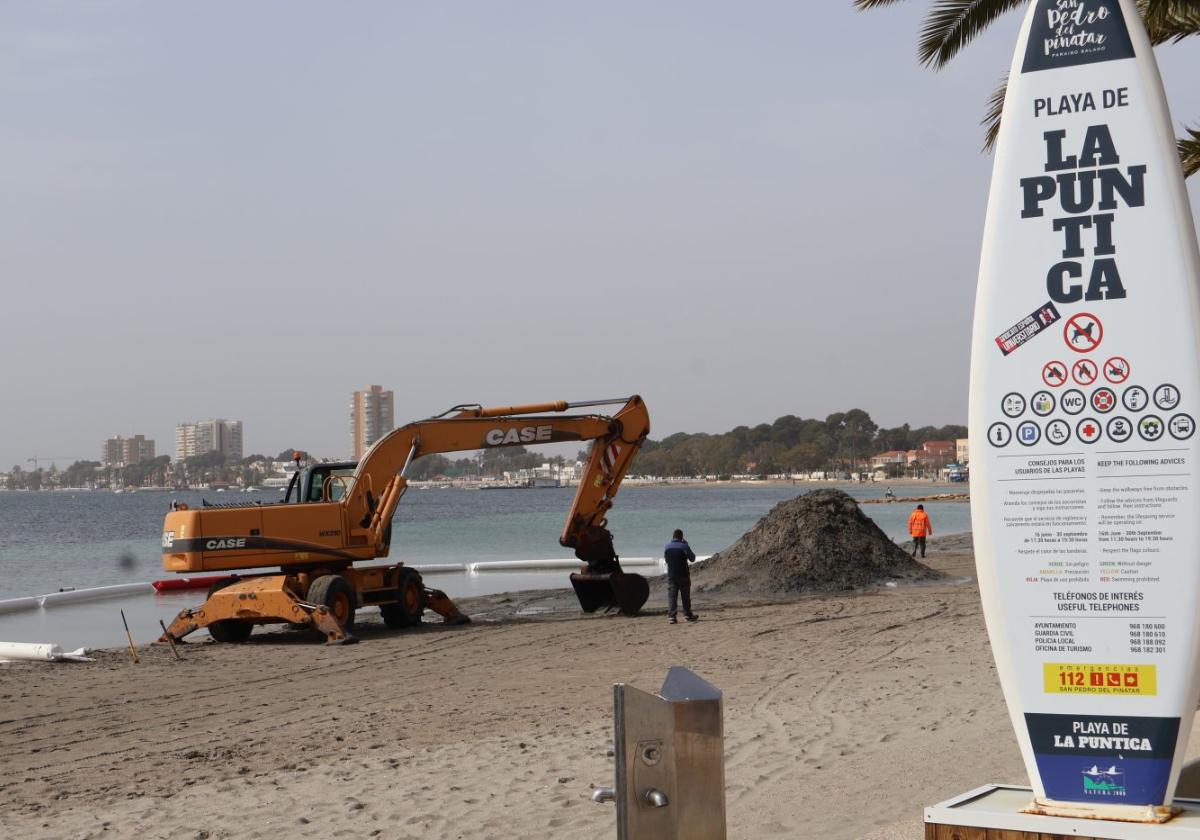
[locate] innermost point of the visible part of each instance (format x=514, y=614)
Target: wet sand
x=844, y=716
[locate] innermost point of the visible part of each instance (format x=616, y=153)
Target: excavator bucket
x=622, y=591
x=440, y=603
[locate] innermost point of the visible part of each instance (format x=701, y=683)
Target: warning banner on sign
x=1027, y=328
x=1076, y=678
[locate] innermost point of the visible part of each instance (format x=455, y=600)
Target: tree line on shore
x=790, y=444
x=842, y=441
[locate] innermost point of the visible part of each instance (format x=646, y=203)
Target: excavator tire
x=229, y=631
x=410, y=606
x=335, y=593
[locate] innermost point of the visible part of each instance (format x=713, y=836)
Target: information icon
x=1042, y=403
x=1135, y=398
x=1013, y=405
x=1181, y=426
x=1120, y=429
x=1150, y=427
x=1058, y=432
x=1088, y=430
x=1029, y=433
x=1104, y=400
x=1166, y=397
x=1072, y=401
x=999, y=434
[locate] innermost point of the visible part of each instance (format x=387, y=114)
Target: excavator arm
x=380, y=481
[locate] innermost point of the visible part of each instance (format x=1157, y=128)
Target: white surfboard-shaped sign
x=1085, y=393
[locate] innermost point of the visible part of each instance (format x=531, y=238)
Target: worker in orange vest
x=919, y=527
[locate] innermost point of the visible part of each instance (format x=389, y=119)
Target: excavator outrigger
x=343, y=514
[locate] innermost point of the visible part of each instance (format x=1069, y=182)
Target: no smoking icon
x=1084, y=372
x=1083, y=332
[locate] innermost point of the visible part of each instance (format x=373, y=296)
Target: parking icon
x=1028, y=433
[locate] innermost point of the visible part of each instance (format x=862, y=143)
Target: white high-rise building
x=372, y=416
x=224, y=436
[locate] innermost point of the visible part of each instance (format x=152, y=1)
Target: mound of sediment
x=818, y=542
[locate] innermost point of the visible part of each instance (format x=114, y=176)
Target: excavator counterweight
x=336, y=515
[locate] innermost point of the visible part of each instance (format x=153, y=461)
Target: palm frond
x=1170, y=20
x=1189, y=152
x=991, y=119
x=871, y=4
x=952, y=24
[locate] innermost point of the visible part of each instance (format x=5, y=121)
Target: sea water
x=54, y=540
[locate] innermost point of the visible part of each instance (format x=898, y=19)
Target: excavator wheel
x=229, y=630
x=335, y=593
x=409, y=609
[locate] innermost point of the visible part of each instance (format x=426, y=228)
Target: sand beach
x=844, y=716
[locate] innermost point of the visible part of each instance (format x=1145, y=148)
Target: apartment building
x=372, y=415
x=220, y=435
x=121, y=451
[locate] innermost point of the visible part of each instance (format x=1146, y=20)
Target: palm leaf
x=991, y=120
x=1189, y=152
x=1170, y=20
x=952, y=24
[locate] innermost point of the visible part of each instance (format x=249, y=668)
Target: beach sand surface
x=844, y=717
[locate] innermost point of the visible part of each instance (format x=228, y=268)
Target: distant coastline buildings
x=121, y=451
x=372, y=415
x=220, y=435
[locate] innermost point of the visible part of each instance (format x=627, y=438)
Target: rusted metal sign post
x=670, y=774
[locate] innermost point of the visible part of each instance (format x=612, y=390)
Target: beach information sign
x=1085, y=393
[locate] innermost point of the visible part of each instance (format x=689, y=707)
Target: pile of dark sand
x=818, y=542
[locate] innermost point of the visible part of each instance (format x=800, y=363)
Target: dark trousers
x=919, y=542
x=678, y=585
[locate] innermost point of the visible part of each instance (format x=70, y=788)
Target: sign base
x=1116, y=813
x=999, y=811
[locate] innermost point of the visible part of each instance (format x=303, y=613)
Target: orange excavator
x=338, y=514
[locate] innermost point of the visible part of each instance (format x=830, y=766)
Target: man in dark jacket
x=679, y=580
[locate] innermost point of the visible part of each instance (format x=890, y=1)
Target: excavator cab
x=328, y=481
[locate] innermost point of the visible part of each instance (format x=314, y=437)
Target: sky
x=250, y=210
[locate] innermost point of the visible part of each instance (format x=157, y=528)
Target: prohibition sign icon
x=1054, y=373
x=1116, y=370
x=1083, y=332
x=1084, y=372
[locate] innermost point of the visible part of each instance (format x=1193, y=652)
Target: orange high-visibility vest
x=918, y=524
